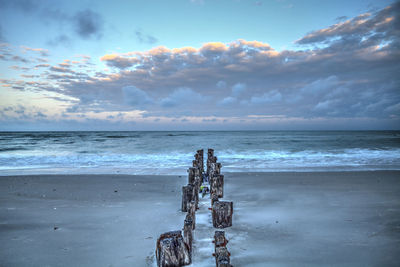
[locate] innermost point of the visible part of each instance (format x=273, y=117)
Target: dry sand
x=280, y=219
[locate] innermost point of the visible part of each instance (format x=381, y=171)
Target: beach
x=280, y=219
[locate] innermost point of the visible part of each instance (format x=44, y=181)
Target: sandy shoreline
x=280, y=219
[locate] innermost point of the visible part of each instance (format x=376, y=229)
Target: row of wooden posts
x=172, y=248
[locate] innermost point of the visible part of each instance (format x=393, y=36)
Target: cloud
x=26, y=6
x=88, y=24
x=238, y=89
x=340, y=18
x=119, y=61
x=61, y=69
x=145, y=38
x=228, y=100
x=43, y=52
x=182, y=97
x=61, y=39
x=344, y=72
x=20, y=59
x=269, y=97
x=135, y=97
x=221, y=84
x=362, y=30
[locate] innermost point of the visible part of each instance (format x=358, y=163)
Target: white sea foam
x=172, y=152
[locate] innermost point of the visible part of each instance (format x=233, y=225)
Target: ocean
x=172, y=152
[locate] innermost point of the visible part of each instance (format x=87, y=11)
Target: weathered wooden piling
x=219, y=239
x=221, y=254
x=222, y=257
x=217, y=185
x=222, y=212
x=201, y=159
x=210, y=159
x=172, y=250
x=191, y=175
x=215, y=168
x=214, y=198
x=188, y=231
x=209, y=162
x=187, y=196
x=192, y=212
x=196, y=189
x=197, y=171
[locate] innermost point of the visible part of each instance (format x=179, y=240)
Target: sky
x=199, y=65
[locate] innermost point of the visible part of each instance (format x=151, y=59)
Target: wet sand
x=280, y=219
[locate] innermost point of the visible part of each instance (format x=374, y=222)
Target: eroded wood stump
x=172, y=250
x=217, y=185
x=214, y=198
x=222, y=212
x=210, y=160
x=219, y=239
x=192, y=212
x=201, y=159
x=195, y=194
x=187, y=196
x=188, y=231
x=222, y=257
x=191, y=175
x=215, y=168
x=210, y=152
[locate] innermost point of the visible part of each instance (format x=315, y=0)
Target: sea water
x=172, y=152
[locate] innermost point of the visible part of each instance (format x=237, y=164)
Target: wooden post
x=192, y=174
x=219, y=239
x=195, y=194
x=222, y=257
x=201, y=158
x=192, y=212
x=210, y=158
x=197, y=159
x=218, y=167
x=222, y=212
x=210, y=169
x=187, y=196
x=188, y=231
x=214, y=198
x=171, y=250
x=215, y=168
x=217, y=185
